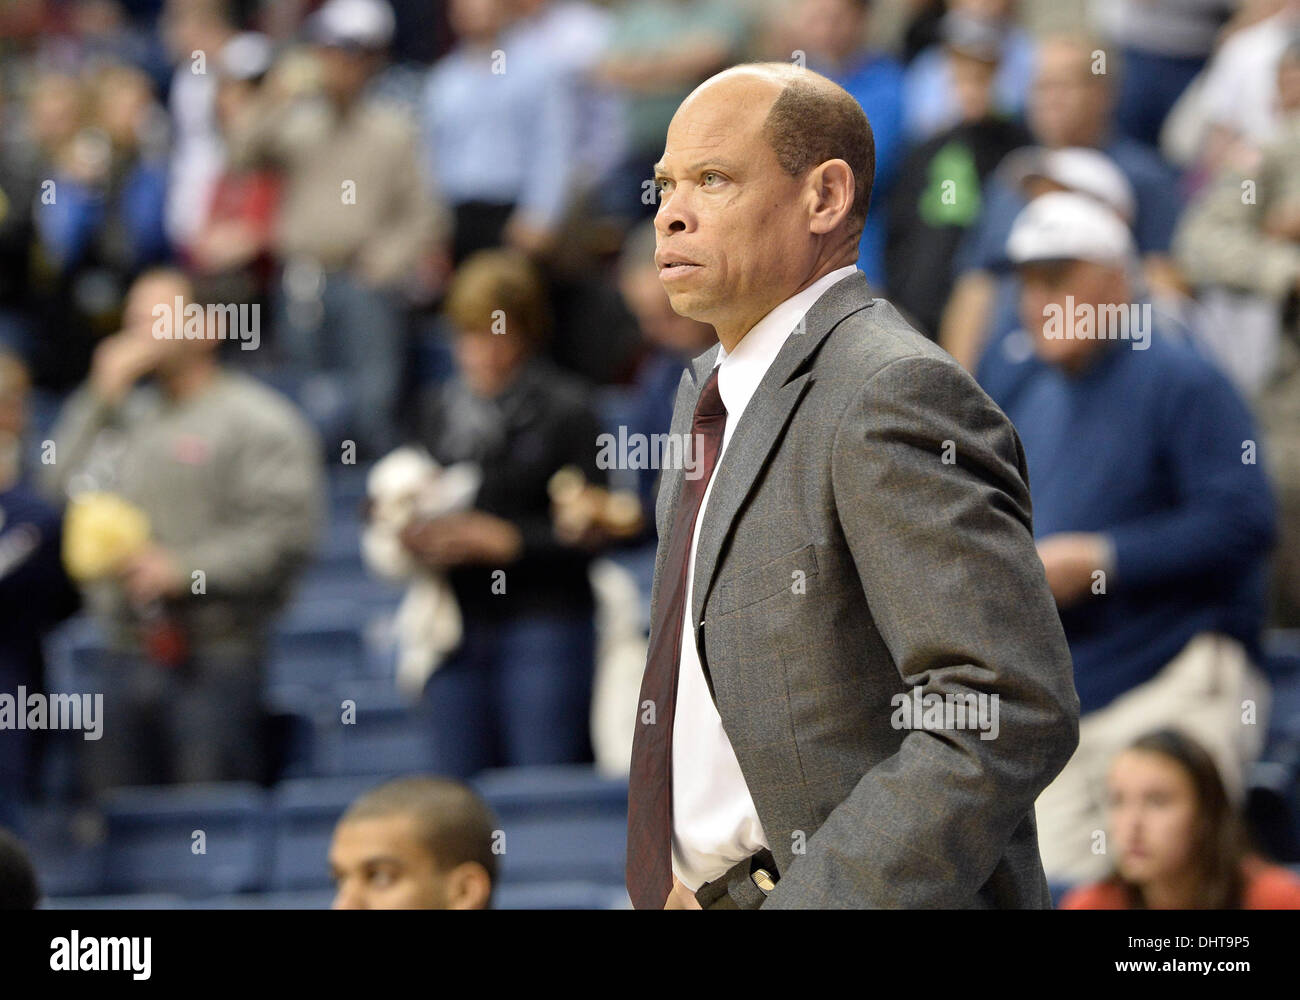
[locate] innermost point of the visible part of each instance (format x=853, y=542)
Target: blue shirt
x=1147, y=447
x=505, y=137
x=930, y=95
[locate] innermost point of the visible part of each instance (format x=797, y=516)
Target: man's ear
x=468, y=887
x=833, y=189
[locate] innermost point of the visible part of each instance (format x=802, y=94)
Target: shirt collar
x=743, y=368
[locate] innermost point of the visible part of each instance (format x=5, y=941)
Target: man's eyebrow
x=659, y=169
x=382, y=859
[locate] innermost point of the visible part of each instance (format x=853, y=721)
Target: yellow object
x=100, y=531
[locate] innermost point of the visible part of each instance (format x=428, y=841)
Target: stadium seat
x=136, y=901
x=317, y=648
x=67, y=850
x=1282, y=654
x=311, y=900
x=560, y=823
x=385, y=737
x=561, y=896
x=1058, y=891
x=151, y=845
x=303, y=814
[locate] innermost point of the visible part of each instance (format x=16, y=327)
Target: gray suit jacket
x=869, y=533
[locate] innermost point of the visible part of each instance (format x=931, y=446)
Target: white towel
x=404, y=485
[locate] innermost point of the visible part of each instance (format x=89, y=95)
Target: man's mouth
x=676, y=269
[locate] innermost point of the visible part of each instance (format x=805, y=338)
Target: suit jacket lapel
x=762, y=423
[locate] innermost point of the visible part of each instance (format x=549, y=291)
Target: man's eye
x=661, y=184
x=710, y=173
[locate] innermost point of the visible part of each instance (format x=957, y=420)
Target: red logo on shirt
x=190, y=449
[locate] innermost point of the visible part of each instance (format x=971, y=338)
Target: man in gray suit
x=857, y=682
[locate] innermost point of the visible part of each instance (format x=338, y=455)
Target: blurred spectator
x=235, y=239
x=1152, y=521
x=228, y=476
x=1234, y=111
x=573, y=35
x=832, y=34
x=938, y=197
x=1009, y=352
x=34, y=590
x=415, y=844
x=89, y=34
x=1070, y=106
x=99, y=216
x=1162, y=45
x=930, y=96
x=660, y=50
x=356, y=220
x=500, y=124
x=518, y=690
x=1243, y=236
x=19, y=889
x=18, y=190
x=922, y=26
x=1176, y=838
x=194, y=32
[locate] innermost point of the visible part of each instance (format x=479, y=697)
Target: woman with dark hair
x=1177, y=841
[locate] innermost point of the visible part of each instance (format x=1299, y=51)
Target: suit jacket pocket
x=779, y=575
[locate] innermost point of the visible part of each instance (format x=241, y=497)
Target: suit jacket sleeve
x=931, y=494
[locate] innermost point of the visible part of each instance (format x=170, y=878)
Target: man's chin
x=688, y=306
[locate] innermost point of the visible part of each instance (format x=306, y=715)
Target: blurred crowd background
x=348, y=530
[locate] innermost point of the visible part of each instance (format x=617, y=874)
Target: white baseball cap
x=1088, y=171
x=246, y=56
x=1063, y=225
x=362, y=24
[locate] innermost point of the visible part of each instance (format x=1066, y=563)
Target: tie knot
x=710, y=401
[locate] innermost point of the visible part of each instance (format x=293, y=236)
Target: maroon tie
x=650, y=785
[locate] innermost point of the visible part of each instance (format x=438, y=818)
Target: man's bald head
x=764, y=186
x=810, y=119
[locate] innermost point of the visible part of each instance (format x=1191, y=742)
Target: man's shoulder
x=260, y=410
x=1172, y=361
x=866, y=342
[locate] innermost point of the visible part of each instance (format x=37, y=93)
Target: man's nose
x=674, y=214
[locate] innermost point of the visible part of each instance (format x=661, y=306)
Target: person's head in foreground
x=1176, y=839
x=763, y=188
x=415, y=844
x=18, y=886
x=1175, y=835
x=1077, y=268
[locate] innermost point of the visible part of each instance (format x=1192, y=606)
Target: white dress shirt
x=715, y=824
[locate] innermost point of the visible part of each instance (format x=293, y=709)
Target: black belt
x=747, y=882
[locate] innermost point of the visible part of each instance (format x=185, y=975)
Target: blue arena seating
x=560, y=823
x=151, y=845
x=129, y=901
x=562, y=896
x=302, y=818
